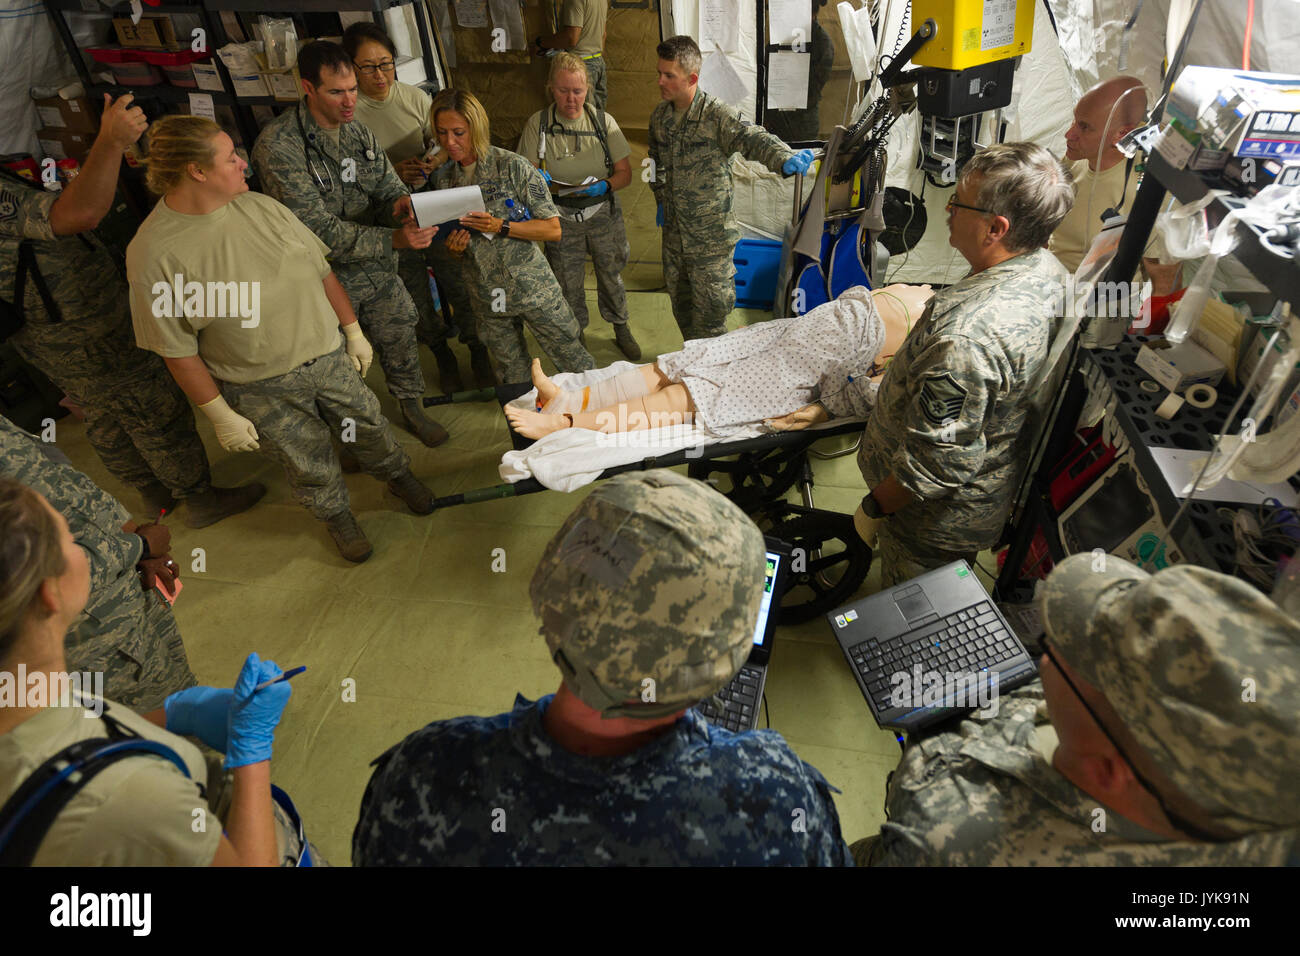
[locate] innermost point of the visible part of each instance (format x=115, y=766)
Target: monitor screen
x=769, y=585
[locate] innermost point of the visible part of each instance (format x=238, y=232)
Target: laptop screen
x=769, y=587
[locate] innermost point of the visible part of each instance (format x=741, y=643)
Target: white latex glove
x=234, y=431
x=359, y=349
x=867, y=528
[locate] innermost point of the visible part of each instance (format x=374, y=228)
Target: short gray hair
x=1028, y=185
x=683, y=51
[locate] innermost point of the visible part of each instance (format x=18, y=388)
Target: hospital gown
x=773, y=368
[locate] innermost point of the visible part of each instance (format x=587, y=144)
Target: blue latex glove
x=545, y=175
x=202, y=712
x=596, y=189
x=800, y=163
x=659, y=215
x=254, y=715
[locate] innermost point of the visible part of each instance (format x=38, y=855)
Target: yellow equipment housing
x=973, y=32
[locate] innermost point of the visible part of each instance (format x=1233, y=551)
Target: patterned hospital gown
x=773, y=368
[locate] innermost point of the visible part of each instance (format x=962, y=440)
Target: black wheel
x=829, y=564
x=754, y=478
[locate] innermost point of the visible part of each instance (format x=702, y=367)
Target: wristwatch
x=145, y=554
x=871, y=507
x=505, y=228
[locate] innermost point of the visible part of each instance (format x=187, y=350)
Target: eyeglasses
x=370, y=69
x=952, y=203
x=1179, y=821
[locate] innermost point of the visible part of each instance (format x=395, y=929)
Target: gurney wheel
x=829, y=564
x=757, y=478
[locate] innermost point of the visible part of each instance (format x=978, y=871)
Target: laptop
x=931, y=648
x=736, y=706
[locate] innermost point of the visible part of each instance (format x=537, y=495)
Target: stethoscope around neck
x=324, y=184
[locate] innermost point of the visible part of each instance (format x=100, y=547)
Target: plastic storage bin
x=757, y=263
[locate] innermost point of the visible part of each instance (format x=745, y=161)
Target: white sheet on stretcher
x=568, y=459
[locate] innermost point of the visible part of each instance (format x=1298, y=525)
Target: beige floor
x=426, y=629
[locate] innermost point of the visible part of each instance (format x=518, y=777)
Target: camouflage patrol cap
x=1203, y=670
x=654, y=576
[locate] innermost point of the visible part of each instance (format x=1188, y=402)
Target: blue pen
x=275, y=680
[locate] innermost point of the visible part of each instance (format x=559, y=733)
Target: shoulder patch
x=942, y=399
x=8, y=205
x=537, y=191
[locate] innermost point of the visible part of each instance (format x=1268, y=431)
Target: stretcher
x=830, y=561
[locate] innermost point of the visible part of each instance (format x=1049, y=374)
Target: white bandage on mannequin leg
x=623, y=387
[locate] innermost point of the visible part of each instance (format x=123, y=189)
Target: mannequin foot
x=532, y=424
x=546, y=389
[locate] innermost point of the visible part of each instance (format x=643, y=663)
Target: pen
x=275, y=680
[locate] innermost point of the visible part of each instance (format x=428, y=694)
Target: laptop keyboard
x=740, y=702
x=963, y=642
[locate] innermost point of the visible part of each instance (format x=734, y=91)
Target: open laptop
x=931, y=648
x=740, y=700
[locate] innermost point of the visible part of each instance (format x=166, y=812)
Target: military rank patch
x=537, y=191
x=942, y=399
x=8, y=205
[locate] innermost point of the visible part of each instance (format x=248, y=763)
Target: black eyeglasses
x=370, y=69
x=1179, y=821
x=952, y=204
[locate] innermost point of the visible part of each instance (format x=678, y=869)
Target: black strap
x=13, y=314
x=23, y=825
x=597, y=119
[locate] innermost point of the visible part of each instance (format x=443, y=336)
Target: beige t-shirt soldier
x=571, y=142
x=582, y=32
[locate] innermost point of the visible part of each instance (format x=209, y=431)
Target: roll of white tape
x=1148, y=386
x=1169, y=407
x=1201, y=396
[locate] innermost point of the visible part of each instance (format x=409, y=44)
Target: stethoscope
x=557, y=129
x=326, y=184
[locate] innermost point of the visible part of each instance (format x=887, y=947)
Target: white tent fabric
x=31, y=56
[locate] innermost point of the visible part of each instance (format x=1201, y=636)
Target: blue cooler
x=757, y=263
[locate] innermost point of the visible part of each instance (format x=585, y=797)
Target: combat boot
x=448, y=370
x=157, y=498
x=481, y=363
x=626, y=342
x=411, y=490
x=426, y=429
x=217, y=503
x=348, y=537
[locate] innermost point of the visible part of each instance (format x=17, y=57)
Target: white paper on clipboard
x=789, y=21
x=440, y=206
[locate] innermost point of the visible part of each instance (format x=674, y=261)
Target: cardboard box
x=1178, y=366
x=64, y=143
x=208, y=77
x=154, y=32
x=74, y=115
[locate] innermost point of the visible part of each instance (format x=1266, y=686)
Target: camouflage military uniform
x=137, y=419
x=297, y=413
x=652, y=576
x=955, y=420
x=413, y=268
x=509, y=281
x=1169, y=653
x=346, y=198
x=697, y=795
x=692, y=181
x=597, y=80
x=126, y=633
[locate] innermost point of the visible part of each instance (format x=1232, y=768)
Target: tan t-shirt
x=569, y=158
x=400, y=122
x=139, y=811
x=1103, y=190
x=590, y=16
x=254, y=262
